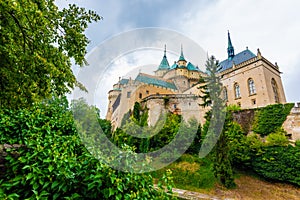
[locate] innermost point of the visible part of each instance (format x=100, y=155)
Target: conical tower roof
x=181, y=58
x=164, y=64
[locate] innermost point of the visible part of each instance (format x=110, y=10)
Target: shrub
x=56, y=165
x=270, y=118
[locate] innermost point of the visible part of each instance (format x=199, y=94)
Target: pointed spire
x=164, y=64
x=181, y=58
x=230, y=49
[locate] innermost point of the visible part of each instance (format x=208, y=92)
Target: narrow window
x=237, y=91
x=128, y=94
x=225, y=94
x=275, y=90
x=147, y=91
x=251, y=86
x=140, y=95
x=253, y=101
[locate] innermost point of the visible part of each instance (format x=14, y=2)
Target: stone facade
x=249, y=81
x=292, y=123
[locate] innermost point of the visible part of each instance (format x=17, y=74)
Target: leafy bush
x=55, y=165
x=270, y=118
x=277, y=139
x=274, y=159
x=279, y=163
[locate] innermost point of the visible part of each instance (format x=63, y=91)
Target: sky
x=272, y=26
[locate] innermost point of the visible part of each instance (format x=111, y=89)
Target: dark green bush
x=270, y=118
x=279, y=163
x=55, y=165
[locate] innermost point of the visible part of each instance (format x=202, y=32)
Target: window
x=175, y=106
x=225, y=94
x=128, y=94
x=275, y=90
x=237, y=91
x=140, y=95
x=239, y=104
x=147, y=91
x=251, y=86
x=253, y=101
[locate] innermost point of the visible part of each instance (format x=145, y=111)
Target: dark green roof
x=164, y=64
x=192, y=67
x=124, y=81
x=144, y=78
x=181, y=57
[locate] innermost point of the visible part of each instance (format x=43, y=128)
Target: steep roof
x=148, y=79
x=164, y=64
x=192, y=67
x=124, y=81
x=237, y=59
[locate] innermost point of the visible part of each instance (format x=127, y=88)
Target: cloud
x=269, y=25
x=272, y=26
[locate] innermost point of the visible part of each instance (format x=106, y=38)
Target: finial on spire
x=230, y=49
x=181, y=58
x=165, y=52
x=258, y=53
x=181, y=50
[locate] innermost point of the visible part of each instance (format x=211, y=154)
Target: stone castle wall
x=292, y=123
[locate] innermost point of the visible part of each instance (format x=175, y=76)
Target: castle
x=248, y=80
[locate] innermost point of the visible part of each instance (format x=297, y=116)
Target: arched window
x=237, y=90
x=251, y=86
x=225, y=94
x=275, y=90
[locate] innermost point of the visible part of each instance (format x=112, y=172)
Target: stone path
x=185, y=194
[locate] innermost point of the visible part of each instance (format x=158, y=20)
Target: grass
x=195, y=174
x=191, y=173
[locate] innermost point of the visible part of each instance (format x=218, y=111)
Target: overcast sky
x=272, y=26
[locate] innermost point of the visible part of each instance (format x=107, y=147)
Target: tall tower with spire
x=181, y=61
x=164, y=65
x=230, y=49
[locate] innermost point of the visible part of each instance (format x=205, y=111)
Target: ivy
x=268, y=119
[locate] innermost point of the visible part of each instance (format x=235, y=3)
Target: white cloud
x=272, y=26
x=269, y=25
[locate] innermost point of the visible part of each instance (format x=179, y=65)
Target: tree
x=218, y=123
x=37, y=43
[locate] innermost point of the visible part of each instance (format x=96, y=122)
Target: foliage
x=158, y=136
x=273, y=159
x=278, y=138
x=196, y=144
x=212, y=90
x=55, y=164
x=270, y=118
x=37, y=43
x=190, y=172
x=279, y=163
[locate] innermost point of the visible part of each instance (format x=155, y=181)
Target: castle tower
x=181, y=61
x=164, y=65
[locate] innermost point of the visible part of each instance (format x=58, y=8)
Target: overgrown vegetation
x=270, y=118
x=191, y=173
x=273, y=157
x=54, y=164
